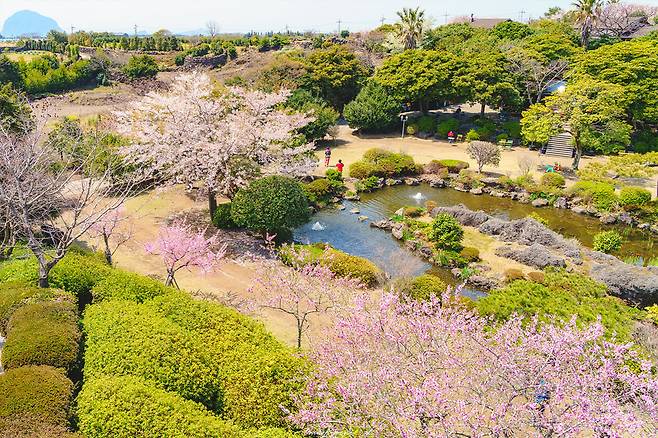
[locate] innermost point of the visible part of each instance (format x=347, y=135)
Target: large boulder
x=535, y=255
x=632, y=283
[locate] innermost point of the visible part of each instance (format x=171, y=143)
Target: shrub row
x=14, y=295
x=43, y=333
x=452, y=166
x=34, y=401
x=121, y=285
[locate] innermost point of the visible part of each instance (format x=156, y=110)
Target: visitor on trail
x=451, y=137
x=340, y=166
x=327, y=156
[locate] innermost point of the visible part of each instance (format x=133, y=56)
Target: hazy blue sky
x=260, y=15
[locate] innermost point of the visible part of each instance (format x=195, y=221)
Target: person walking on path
x=340, y=166
x=327, y=156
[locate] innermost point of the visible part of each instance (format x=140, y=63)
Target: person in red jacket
x=340, y=166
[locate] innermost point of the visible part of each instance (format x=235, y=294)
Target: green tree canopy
x=632, y=65
x=373, y=109
x=419, y=76
x=336, y=74
x=9, y=72
x=15, y=112
x=593, y=112
x=511, y=30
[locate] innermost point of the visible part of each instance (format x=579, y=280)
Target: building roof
x=643, y=31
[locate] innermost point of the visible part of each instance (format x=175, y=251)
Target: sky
x=262, y=15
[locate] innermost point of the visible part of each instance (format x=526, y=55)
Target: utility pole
x=382, y=20
x=445, y=17
x=339, y=23
x=522, y=14
x=135, y=31
x=72, y=29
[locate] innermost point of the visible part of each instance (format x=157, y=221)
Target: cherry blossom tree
x=616, y=18
x=194, y=133
x=302, y=290
x=484, y=153
x=114, y=231
x=181, y=247
x=417, y=369
x=49, y=202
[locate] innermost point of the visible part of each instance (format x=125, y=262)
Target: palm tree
x=587, y=13
x=411, y=26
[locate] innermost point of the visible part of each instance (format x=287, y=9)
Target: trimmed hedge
x=259, y=376
x=44, y=333
x=426, y=286
x=28, y=426
x=41, y=393
x=384, y=164
x=14, y=295
x=453, y=166
x=129, y=406
x=124, y=338
x=553, y=180
x=122, y=285
x=347, y=265
x=222, y=217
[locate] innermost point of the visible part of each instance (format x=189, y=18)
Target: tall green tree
x=9, y=72
x=419, y=76
x=15, y=112
x=593, y=112
x=488, y=81
x=587, y=14
x=335, y=74
x=373, y=110
x=411, y=26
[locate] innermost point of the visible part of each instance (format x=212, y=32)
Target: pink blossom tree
x=113, y=230
x=180, y=247
x=302, y=290
x=194, y=133
x=416, y=369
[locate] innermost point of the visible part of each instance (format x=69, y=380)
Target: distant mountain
x=197, y=32
x=28, y=23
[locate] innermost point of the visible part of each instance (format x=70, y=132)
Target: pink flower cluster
x=419, y=369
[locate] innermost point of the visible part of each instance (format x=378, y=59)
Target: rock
x=561, y=202
x=382, y=225
x=481, y=267
x=399, y=212
x=463, y=215
x=644, y=226
x=412, y=181
x=363, y=218
x=632, y=283
x=398, y=231
x=427, y=252
x=456, y=272
x=540, y=202
x=498, y=194
x=460, y=187
x=483, y=283
x=626, y=218
x=654, y=229
x=412, y=245
x=490, y=182
x=535, y=255
x=579, y=209
x=524, y=198
x=438, y=183
x=355, y=211
x=352, y=198
x=476, y=191
x=608, y=219
x=340, y=207
x=335, y=200
x=393, y=182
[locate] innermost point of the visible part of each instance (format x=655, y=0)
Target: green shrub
x=125, y=338
x=319, y=190
x=44, y=333
x=222, y=218
x=470, y=254
x=425, y=287
x=512, y=129
x=28, y=426
x=412, y=129
x=561, y=295
x=121, y=285
x=15, y=295
x=608, y=241
x=347, y=265
x=453, y=166
x=334, y=175
x=129, y=406
x=446, y=233
x=413, y=211
x=634, y=196
x=259, y=376
x=601, y=195
x=553, y=180
x=363, y=169
x=426, y=124
x=19, y=271
x=447, y=125
x=536, y=276
x=141, y=66
x=472, y=135
x=40, y=392
x=273, y=203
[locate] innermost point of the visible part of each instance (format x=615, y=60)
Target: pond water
x=344, y=231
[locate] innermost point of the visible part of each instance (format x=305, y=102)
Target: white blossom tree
x=223, y=139
x=484, y=153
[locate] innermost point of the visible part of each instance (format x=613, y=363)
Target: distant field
x=26, y=56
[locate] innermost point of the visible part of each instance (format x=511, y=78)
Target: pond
x=344, y=231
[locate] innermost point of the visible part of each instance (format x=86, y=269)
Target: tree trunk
x=108, y=252
x=482, y=108
x=43, y=276
x=170, y=278
x=300, y=330
x=576, y=158
x=212, y=203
